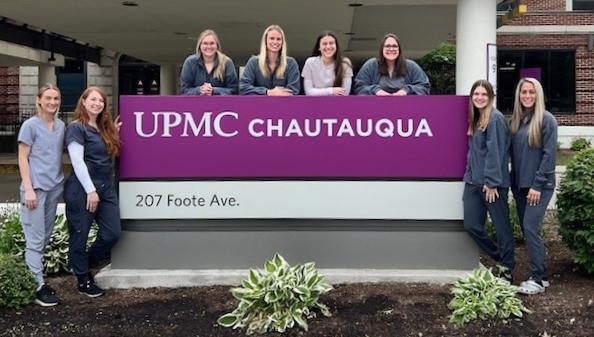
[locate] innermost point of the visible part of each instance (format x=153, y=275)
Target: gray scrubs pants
x=531, y=222
x=475, y=217
x=38, y=225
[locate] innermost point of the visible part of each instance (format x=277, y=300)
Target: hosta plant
x=277, y=297
x=484, y=296
x=55, y=258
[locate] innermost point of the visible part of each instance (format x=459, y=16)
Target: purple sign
x=193, y=137
x=531, y=72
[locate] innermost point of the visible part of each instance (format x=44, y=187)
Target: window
x=555, y=69
x=71, y=79
x=583, y=5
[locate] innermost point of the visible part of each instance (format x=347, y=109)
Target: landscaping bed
x=374, y=310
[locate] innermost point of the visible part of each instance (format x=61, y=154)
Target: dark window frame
x=547, y=79
x=589, y=5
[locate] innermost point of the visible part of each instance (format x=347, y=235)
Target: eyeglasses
x=391, y=46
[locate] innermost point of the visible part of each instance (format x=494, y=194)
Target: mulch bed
x=359, y=310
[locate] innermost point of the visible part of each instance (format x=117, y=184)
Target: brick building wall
x=553, y=12
x=9, y=95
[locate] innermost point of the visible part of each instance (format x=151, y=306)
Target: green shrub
x=277, y=297
x=484, y=296
x=440, y=66
x=579, y=144
x=55, y=259
x=12, y=240
x=17, y=285
x=575, y=206
x=514, y=220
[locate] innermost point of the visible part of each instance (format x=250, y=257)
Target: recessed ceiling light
x=129, y=3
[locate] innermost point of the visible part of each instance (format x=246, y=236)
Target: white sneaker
x=531, y=287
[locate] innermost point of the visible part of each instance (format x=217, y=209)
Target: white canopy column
x=476, y=26
x=47, y=74
x=168, y=80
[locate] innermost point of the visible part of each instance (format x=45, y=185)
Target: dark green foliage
x=440, y=66
x=575, y=204
x=579, y=144
x=17, y=285
x=55, y=259
x=513, y=219
x=12, y=240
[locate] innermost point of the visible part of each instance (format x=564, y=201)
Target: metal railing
x=10, y=124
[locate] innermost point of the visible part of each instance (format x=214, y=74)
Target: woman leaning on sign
x=390, y=73
x=90, y=195
x=534, y=145
x=487, y=177
x=209, y=71
x=272, y=72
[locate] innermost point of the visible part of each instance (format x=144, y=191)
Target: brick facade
x=9, y=95
x=552, y=12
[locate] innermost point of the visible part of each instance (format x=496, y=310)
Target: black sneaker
x=90, y=289
x=504, y=273
x=46, y=297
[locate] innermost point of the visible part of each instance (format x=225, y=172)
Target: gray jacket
x=194, y=74
x=535, y=167
x=369, y=80
x=252, y=81
x=488, y=154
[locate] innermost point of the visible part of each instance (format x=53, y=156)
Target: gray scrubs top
x=45, y=158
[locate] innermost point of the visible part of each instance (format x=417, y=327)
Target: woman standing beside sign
x=487, y=177
x=534, y=146
x=41, y=140
x=209, y=71
x=391, y=74
x=90, y=195
x=272, y=72
x=327, y=73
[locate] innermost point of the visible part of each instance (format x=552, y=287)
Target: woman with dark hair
x=390, y=73
x=487, y=178
x=209, y=71
x=41, y=140
x=90, y=194
x=271, y=72
x=534, y=147
x=327, y=72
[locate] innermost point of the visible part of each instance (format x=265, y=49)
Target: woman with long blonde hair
x=487, y=178
x=271, y=72
x=534, y=147
x=40, y=140
x=209, y=71
x=90, y=193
